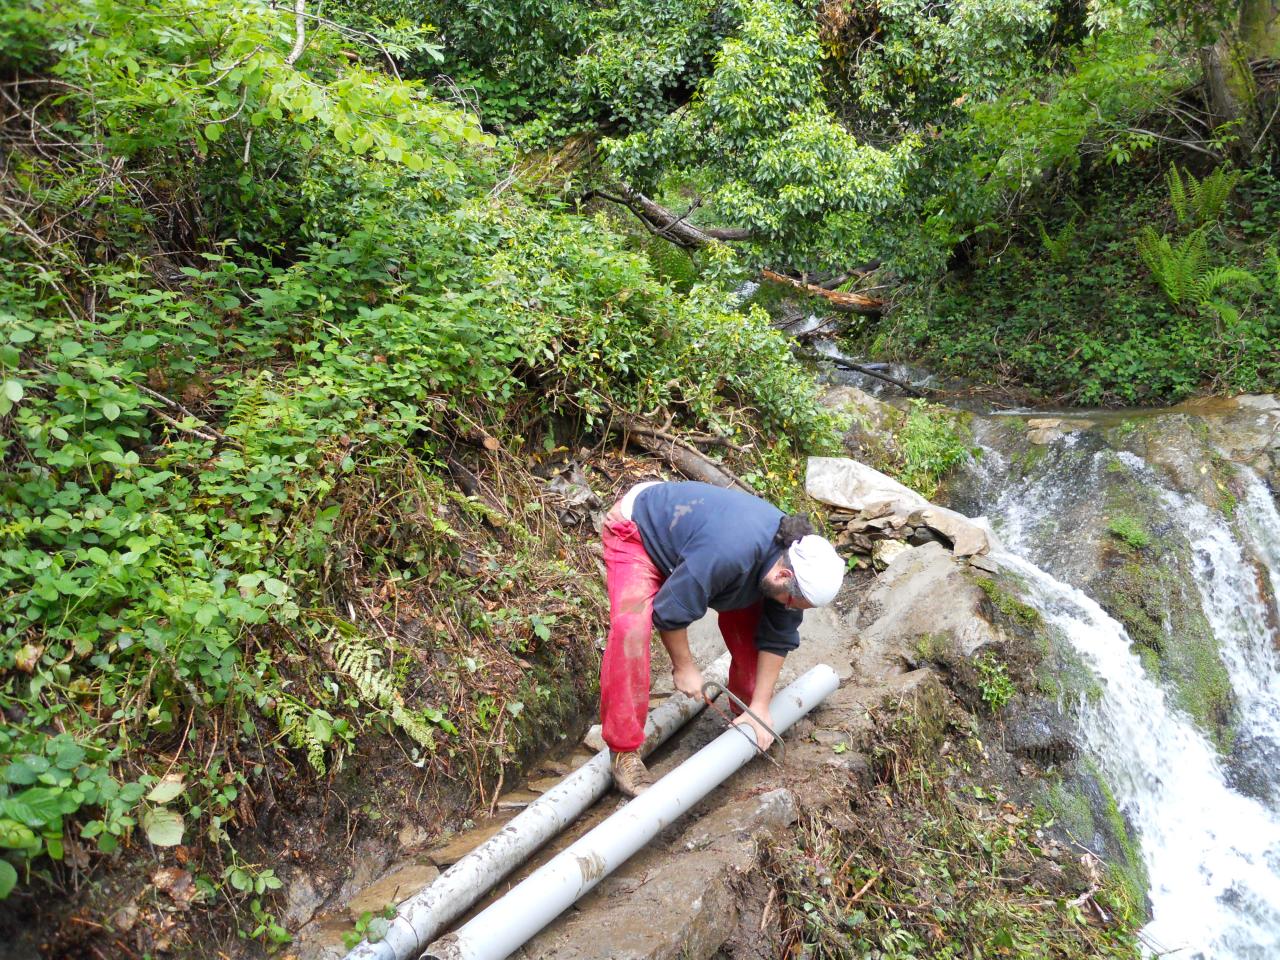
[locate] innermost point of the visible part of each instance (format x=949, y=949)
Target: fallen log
x=838, y=299
x=680, y=456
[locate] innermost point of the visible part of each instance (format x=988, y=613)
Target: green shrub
x=1089, y=327
x=211, y=458
x=994, y=683
x=1130, y=530
x=931, y=441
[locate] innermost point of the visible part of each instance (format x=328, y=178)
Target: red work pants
x=633, y=582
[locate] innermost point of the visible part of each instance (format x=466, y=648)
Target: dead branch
x=212, y=435
x=300, y=32
x=839, y=300
x=675, y=228
x=678, y=454
x=871, y=372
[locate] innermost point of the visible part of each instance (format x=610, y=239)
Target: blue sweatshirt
x=713, y=545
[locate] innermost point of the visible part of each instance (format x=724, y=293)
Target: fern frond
x=245, y=419
x=1226, y=314
x=1210, y=195
x=362, y=663
x=1178, y=193
x=1057, y=247
x=1178, y=269
x=1200, y=201
x=1217, y=278
x=292, y=716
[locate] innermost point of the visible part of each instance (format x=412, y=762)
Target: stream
x=1207, y=819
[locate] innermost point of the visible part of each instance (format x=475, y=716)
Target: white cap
x=818, y=568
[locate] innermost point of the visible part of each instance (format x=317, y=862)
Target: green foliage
x=671, y=263
x=209, y=440
x=783, y=165
x=1198, y=202
x=931, y=441
x=1057, y=247
x=994, y=683
x=369, y=926
x=1130, y=530
x=1090, y=327
x=911, y=65
x=1017, y=145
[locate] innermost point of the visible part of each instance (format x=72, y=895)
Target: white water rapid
x=1212, y=852
x=1230, y=595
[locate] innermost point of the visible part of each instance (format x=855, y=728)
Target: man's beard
x=774, y=591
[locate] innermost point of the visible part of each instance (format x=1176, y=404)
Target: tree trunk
x=1230, y=94
x=1260, y=29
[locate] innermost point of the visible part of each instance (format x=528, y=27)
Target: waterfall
x=1212, y=852
x=1260, y=520
x=1232, y=599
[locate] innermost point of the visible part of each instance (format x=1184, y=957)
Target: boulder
x=873, y=422
x=926, y=594
x=850, y=485
x=967, y=538
x=842, y=482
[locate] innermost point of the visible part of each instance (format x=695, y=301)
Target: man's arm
x=684, y=669
x=768, y=667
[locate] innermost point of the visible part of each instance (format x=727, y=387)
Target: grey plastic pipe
x=506, y=925
x=422, y=917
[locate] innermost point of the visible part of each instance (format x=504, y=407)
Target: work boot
x=630, y=775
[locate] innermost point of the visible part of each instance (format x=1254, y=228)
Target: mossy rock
x=1086, y=811
x=1172, y=636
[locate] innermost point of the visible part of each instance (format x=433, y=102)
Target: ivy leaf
x=20, y=773
x=13, y=390
x=167, y=789
x=69, y=756
x=111, y=410
x=38, y=807
x=15, y=836
x=8, y=878
x=164, y=827
x=213, y=132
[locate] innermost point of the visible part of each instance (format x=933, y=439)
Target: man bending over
x=673, y=550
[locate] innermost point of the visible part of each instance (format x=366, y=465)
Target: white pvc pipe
x=422, y=917
x=506, y=925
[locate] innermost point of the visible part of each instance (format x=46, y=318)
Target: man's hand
x=688, y=680
x=764, y=739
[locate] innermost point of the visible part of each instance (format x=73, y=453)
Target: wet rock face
x=1248, y=766
x=872, y=424
x=1116, y=505
x=1041, y=731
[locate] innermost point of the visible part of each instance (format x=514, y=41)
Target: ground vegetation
x=283, y=339
x=933, y=859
